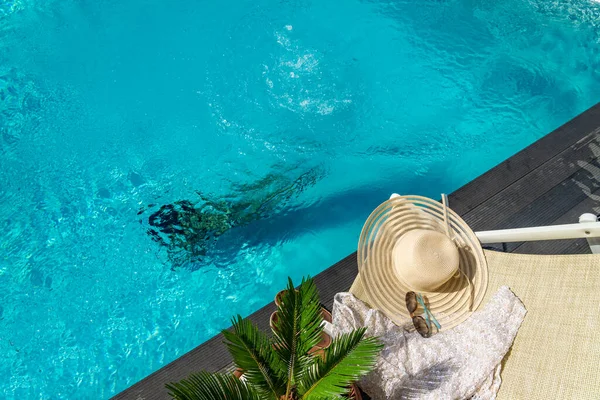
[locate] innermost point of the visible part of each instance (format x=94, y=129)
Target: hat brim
x=451, y=303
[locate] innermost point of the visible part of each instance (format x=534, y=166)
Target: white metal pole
x=552, y=232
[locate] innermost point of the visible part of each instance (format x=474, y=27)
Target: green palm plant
x=285, y=365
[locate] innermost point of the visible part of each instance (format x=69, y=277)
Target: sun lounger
x=556, y=354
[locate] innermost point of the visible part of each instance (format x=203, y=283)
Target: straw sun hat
x=413, y=243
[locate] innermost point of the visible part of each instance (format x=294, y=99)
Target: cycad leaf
x=349, y=357
x=253, y=353
x=206, y=386
x=298, y=328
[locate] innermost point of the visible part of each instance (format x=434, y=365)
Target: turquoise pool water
x=164, y=165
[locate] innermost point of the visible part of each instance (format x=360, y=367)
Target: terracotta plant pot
x=325, y=342
x=238, y=373
x=279, y=295
x=319, y=349
x=354, y=392
x=273, y=320
x=326, y=315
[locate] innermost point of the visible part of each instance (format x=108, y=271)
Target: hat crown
x=425, y=259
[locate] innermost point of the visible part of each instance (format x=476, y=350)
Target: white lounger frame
x=588, y=227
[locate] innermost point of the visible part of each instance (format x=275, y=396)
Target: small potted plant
x=285, y=365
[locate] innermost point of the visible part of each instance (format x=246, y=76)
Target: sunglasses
x=422, y=325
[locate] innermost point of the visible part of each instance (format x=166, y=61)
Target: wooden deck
x=553, y=181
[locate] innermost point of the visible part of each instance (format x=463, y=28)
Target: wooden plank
x=588, y=204
x=490, y=183
x=336, y=279
x=515, y=197
x=552, y=206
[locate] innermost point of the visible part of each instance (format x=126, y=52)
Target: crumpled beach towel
x=461, y=363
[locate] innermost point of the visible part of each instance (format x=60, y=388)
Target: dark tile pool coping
x=547, y=182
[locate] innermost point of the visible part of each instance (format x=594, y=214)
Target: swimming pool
x=164, y=165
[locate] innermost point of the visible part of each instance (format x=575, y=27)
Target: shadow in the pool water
x=212, y=232
x=189, y=230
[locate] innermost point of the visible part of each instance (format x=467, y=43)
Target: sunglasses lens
x=421, y=326
x=411, y=302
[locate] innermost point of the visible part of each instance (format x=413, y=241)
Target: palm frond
x=349, y=357
x=311, y=317
x=252, y=352
x=298, y=328
x=206, y=386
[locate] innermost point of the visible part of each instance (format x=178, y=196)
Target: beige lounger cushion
x=556, y=354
